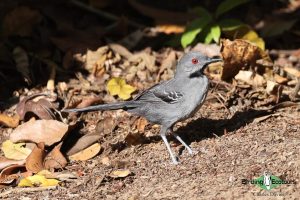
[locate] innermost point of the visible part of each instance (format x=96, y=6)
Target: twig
x=102, y=13
x=24, y=190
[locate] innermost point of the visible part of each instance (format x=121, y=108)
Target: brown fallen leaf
x=47, y=131
x=87, y=153
x=96, y=59
x=292, y=71
x=8, y=121
x=84, y=142
x=141, y=123
x=120, y=173
x=4, y=162
x=55, y=159
x=34, y=161
x=13, y=172
x=170, y=29
x=121, y=50
x=145, y=60
x=42, y=107
x=279, y=79
x=240, y=54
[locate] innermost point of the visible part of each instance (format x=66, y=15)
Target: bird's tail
x=111, y=106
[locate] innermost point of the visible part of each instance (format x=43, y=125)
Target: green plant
x=208, y=27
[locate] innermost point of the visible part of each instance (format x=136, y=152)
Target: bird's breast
x=195, y=95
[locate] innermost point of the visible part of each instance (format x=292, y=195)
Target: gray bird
x=171, y=101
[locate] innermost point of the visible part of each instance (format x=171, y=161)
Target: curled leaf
x=41, y=107
x=34, y=161
x=55, y=159
x=118, y=86
x=4, y=162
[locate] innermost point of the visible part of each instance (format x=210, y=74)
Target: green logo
x=267, y=181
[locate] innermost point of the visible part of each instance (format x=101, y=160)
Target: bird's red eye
x=195, y=61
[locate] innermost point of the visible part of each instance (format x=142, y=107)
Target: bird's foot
x=191, y=152
x=175, y=160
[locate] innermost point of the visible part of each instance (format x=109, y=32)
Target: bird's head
x=193, y=64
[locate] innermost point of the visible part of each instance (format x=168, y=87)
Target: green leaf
x=277, y=28
x=192, y=30
x=208, y=38
x=227, y=5
x=215, y=31
x=202, y=12
x=230, y=24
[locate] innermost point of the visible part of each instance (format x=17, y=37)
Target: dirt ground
x=229, y=149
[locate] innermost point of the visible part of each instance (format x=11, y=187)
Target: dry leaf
x=4, y=162
x=118, y=86
x=170, y=29
x=13, y=172
x=272, y=87
x=15, y=151
x=34, y=161
x=279, y=79
x=145, y=60
x=84, y=142
x=250, y=78
x=87, y=153
x=55, y=159
x=8, y=121
x=121, y=50
x=42, y=107
x=292, y=71
x=37, y=180
x=95, y=59
x=120, y=173
x=141, y=123
x=21, y=21
x=240, y=54
x=47, y=131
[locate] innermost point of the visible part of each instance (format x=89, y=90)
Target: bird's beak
x=213, y=60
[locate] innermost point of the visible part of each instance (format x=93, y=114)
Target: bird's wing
x=160, y=92
x=168, y=96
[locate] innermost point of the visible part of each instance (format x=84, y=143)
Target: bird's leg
x=163, y=132
x=183, y=143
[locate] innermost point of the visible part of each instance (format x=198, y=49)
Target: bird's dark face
x=193, y=64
